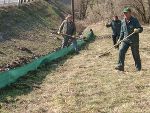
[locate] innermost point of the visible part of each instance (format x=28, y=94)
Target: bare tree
x=83, y=8
x=103, y=9
x=141, y=8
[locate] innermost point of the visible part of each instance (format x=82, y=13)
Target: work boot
x=120, y=68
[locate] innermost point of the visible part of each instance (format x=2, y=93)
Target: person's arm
x=138, y=28
x=61, y=27
x=120, y=37
x=121, y=33
x=109, y=24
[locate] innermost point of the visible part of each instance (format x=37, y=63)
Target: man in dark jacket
x=115, y=26
x=129, y=25
x=68, y=30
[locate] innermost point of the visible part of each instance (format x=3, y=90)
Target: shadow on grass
x=33, y=79
x=29, y=82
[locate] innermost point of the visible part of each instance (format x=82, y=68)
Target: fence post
x=19, y=3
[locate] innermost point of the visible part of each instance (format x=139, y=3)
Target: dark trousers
x=135, y=52
x=115, y=38
x=67, y=41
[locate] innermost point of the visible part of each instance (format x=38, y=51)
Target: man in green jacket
x=68, y=30
x=129, y=25
x=115, y=25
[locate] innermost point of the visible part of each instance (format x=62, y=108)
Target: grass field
x=84, y=83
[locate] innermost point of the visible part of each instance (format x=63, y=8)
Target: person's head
x=69, y=17
x=115, y=18
x=127, y=13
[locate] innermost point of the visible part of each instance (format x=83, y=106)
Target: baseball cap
x=126, y=9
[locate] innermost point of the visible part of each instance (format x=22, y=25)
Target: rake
x=108, y=51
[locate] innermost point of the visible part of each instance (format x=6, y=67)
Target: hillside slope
x=85, y=83
x=28, y=26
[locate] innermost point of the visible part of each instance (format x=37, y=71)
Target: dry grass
x=86, y=83
x=28, y=26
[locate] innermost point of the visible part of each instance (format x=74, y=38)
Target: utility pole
x=72, y=7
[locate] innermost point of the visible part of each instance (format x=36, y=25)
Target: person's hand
x=136, y=30
x=106, y=24
x=73, y=36
x=118, y=42
x=116, y=45
x=58, y=32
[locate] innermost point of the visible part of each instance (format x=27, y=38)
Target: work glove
x=136, y=30
x=58, y=32
x=73, y=36
x=107, y=25
x=117, y=44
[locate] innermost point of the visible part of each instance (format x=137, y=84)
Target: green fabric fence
x=8, y=77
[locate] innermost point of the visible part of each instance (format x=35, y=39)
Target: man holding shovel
x=129, y=25
x=68, y=30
